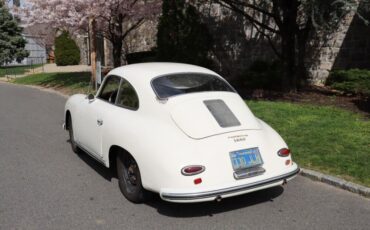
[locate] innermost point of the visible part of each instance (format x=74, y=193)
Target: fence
x=29, y=65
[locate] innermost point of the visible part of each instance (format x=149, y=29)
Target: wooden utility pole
x=92, y=30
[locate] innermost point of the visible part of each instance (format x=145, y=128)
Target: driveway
x=44, y=185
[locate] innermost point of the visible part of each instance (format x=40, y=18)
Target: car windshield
x=184, y=83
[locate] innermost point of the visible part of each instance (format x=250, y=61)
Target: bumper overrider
x=228, y=192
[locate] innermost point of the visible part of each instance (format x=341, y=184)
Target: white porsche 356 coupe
x=178, y=130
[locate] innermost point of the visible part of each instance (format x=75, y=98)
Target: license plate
x=245, y=158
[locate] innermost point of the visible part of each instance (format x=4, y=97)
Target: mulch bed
x=315, y=95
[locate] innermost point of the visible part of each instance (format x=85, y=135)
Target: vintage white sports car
x=178, y=130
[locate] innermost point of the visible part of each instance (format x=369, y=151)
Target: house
x=35, y=44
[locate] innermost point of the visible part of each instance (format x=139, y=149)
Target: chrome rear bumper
x=203, y=196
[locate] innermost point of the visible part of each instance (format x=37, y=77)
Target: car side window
x=127, y=96
x=110, y=89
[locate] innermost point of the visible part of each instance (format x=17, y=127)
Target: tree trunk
x=288, y=31
x=288, y=59
x=117, y=40
x=92, y=30
x=117, y=52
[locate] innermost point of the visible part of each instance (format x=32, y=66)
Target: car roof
x=145, y=72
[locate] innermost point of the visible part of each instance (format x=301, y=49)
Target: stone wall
x=108, y=51
x=83, y=44
x=355, y=49
x=348, y=47
x=326, y=52
x=235, y=43
x=142, y=39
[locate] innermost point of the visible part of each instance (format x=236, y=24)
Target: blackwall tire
x=71, y=137
x=129, y=179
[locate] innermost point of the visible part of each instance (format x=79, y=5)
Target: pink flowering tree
x=114, y=19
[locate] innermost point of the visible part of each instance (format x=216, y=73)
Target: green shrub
x=262, y=75
x=66, y=50
x=356, y=81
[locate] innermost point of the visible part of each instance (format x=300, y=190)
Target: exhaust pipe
x=218, y=198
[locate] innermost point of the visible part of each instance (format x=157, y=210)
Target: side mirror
x=90, y=97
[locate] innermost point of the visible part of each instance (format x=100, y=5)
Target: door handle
x=99, y=122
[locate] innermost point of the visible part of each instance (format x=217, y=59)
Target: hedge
x=66, y=50
x=353, y=81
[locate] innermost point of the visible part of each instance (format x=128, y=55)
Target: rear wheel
x=71, y=136
x=129, y=179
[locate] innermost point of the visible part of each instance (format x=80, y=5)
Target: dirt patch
x=315, y=95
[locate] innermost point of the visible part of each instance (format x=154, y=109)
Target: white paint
x=162, y=149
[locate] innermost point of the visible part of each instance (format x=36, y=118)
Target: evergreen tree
x=66, y=50
x=182, y=37
x=12, y=42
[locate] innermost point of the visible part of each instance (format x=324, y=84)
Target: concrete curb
x=336, y=182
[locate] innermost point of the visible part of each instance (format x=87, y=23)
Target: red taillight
x=284, y=152
x=198, y=181
x=192, y=170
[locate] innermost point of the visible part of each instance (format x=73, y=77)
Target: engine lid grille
x=222, y=113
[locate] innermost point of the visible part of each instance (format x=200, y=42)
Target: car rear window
x=184, y=83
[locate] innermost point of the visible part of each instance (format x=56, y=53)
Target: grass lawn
x=69, y=83
x=16, y=70
x=326, y=139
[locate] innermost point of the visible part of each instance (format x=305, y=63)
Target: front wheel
x=129, y=179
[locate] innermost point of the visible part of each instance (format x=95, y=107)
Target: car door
x=93, y=114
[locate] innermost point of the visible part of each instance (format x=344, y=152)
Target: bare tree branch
x=248, y=17
x=133, y=27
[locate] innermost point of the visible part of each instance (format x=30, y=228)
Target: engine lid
x=205, y=116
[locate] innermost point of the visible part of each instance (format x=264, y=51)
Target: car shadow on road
x=103, y=171
x=211, y=208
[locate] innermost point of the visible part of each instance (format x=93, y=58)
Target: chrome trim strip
x=220, y=192
x=251, y=172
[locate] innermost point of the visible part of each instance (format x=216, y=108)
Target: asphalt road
x=44, y=185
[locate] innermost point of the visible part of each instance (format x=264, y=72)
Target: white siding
x=37, y=52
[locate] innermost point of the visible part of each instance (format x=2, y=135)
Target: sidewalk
x=50, y=68
x=53, y=68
